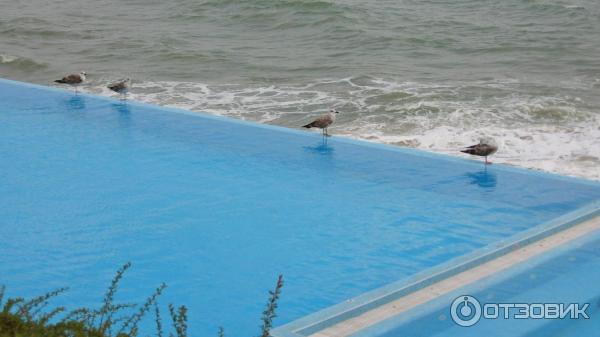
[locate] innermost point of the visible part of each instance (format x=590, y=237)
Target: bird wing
x=491, y=149
x=480, y=149
x=322, y=122
x=72, y=79
x=117, y=86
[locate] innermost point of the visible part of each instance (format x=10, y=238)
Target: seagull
x=485, y=148
x=121, y=87
x=73, y=79
x=323, y=122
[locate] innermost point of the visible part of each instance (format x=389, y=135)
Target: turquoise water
x=218, y=208
x=568, y=274
x=432, y=74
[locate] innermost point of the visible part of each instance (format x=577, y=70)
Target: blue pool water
x=567, y=274
x=218, y=208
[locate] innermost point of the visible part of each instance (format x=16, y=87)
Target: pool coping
x=372, y=300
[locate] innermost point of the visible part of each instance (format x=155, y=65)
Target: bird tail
x=308, y=126
x=468, y=150
x=60, y=81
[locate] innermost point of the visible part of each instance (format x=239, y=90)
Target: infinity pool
x=217, y=208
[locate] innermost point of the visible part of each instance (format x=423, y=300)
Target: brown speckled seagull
x=485, y=148
x=323, y=122
x=121, y=87
x=73, y=79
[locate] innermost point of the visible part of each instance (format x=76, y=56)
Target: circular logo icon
x=465, y=310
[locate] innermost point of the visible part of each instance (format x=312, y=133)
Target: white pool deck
x=411, y=300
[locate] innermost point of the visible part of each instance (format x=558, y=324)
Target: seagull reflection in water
x=124, y=113
x=322, y=148
x=483, y=178
x=75, y=103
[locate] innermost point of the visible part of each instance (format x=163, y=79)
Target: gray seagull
x=73, y=80
x=121, y=87
x=323, y=122
x=485, y=148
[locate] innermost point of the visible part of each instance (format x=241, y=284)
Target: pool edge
x=342, y=139
x=374, y=299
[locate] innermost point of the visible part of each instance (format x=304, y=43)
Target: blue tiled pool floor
x=218, y=208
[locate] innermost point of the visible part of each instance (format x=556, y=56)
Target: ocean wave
x=7, y=58
x=18, y=31
x=551, y=133
x=20, y=63
x=316, y=5
x=560, y=7
x=270, y=15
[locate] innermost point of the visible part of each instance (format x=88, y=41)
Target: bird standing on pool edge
x=121, y=87
x=73, y=80
x=323, y=122
x=485, y=148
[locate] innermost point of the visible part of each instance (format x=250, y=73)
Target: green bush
x=32, y=318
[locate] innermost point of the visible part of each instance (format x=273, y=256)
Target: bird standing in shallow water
x=121, y=87
x=73, y=80
x=323, y=122
x=485, y=148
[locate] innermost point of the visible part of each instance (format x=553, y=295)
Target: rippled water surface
x=216, y=209
x=429, y=74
